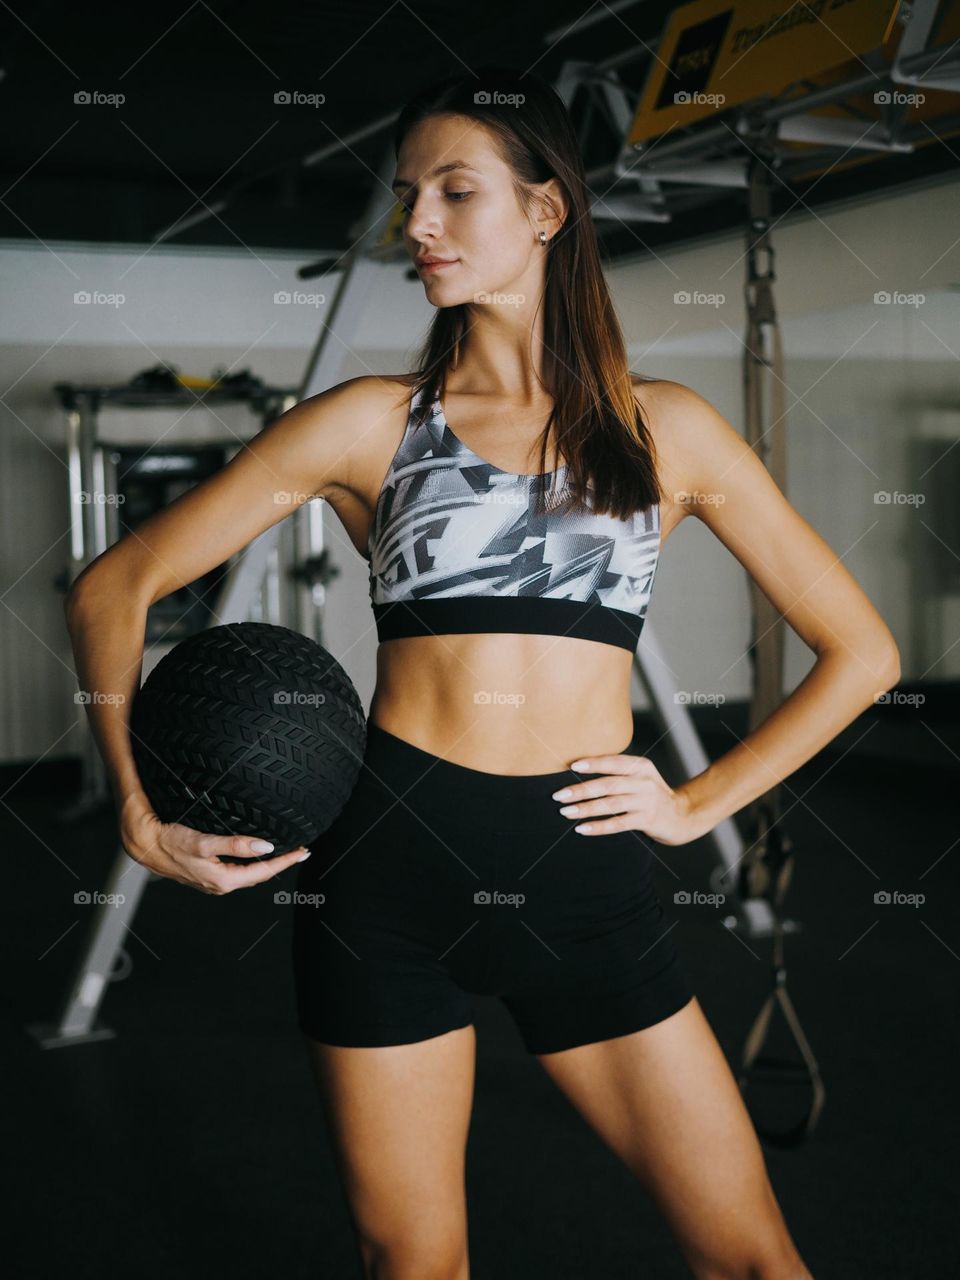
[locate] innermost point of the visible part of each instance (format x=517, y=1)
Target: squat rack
x=280, y=577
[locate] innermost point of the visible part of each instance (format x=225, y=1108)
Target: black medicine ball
x=249, y=729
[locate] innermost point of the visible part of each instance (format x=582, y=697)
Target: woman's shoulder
x=671, y=413
x=695, y=444
x=384, y=388
x=669, y=402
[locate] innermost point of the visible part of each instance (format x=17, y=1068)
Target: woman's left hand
x=633, y=790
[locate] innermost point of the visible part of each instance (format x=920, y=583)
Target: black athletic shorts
x=438, y=881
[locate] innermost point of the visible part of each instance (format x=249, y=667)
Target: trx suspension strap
x=767, y=865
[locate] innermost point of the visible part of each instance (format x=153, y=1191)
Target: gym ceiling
x=200, y=153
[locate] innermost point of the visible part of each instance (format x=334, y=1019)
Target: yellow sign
x=717, y=54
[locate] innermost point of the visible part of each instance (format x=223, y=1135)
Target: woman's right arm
x=303, y=454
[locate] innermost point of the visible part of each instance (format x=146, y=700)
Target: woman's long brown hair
x=599, y=425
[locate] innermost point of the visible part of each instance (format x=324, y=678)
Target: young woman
x=513, y=497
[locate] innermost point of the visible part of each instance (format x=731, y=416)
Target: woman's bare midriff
x=498, y=702
x=505, y=703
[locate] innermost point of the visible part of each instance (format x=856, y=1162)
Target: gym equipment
x=768, y=878
x=283, y=573
x=766, y=869
x=249, y=729
x=115, y=484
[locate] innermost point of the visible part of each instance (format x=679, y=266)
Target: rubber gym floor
x=193, y=1144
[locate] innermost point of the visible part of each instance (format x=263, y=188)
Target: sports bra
x=457, y=545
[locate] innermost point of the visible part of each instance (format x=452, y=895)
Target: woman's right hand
x=193, y=857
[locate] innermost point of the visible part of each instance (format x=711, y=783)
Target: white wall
x=863, y=380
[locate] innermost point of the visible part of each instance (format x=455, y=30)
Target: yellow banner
x=715, y=54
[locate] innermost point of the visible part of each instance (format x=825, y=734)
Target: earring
x=543, y=238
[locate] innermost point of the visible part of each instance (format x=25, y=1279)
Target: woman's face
x=470, y=213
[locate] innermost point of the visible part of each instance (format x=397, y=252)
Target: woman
x=498, y=839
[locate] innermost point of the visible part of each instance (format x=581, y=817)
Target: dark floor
x=193, y=1143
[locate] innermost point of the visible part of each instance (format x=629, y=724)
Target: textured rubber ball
x=249, y=729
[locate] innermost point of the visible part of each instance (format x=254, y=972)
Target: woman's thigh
x=399, y=1116
x=665, y=1100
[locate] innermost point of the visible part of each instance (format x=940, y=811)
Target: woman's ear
x=553, y=206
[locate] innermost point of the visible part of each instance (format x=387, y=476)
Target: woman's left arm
x=730, y=490
x=857, y=657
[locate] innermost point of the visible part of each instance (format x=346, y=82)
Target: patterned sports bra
x=457, y=545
